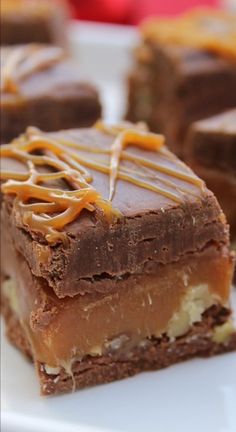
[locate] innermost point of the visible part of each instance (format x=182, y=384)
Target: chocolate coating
x=152, y=229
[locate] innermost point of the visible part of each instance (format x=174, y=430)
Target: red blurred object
x=116, y=11
x=168, y=7
x=131, y=11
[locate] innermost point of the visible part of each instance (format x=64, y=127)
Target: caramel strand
x=127, y=175
x=141, y=139
x=123, y=174
x=152, y=142
x=23, y=61
x=144, y=163
x=43, y=206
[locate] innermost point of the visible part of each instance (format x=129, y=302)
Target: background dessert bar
x=41, y=86
x=211, y=151
x=184, y=70
x=26, y=21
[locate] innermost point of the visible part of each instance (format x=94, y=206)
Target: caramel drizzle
x=67, y=204
x=23, y=61
x=48, y=209
x=206, y=29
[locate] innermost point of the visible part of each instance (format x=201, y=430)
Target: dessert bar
x=26, y=21
x=116, y=256
x=211, y=151
x=42, y=87
x=185, y=70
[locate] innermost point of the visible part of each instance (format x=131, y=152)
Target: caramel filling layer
x=168, y=302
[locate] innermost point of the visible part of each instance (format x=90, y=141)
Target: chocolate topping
x=46, y=209
x=152, y=228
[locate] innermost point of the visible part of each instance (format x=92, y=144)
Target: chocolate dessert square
x=211, y=151
x=42, y=87
x=116, y=256
x=185, y=70
x=26, y=21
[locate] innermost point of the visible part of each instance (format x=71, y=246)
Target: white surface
x=195, y=396
x=104, y=55
x=229, y=4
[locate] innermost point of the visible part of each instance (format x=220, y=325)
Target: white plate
x=195, y=396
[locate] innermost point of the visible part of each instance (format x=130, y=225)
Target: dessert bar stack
x=116, y=256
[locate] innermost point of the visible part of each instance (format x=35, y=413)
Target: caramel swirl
x=23, y=61
x=46, y=205
x=207, y=29
x=53, y=207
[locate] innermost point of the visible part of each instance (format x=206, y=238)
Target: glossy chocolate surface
x=150, y=226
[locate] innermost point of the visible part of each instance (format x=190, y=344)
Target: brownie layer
x=213, y=335
x=53, y=96
x=29, y=21
x=152, y=229
x=172, y=86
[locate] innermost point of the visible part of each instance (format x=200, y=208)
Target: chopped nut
x=51, y=370
x=222, y=333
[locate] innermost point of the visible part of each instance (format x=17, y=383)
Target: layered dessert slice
x=185, y=70
x=26, y=21
x=116, y=256
x=41, y=86
x=211, y=151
